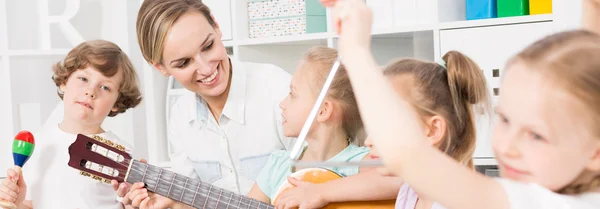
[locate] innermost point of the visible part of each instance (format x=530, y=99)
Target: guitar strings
x=209, y=187
x=202, y=185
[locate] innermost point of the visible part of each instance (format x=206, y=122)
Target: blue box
x=481, y=9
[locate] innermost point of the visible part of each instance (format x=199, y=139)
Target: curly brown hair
x=107, y=58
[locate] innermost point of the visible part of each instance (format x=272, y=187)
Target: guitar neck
x=192, y=192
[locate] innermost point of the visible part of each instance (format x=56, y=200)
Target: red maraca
x=22, y=148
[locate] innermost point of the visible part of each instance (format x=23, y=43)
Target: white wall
x=36, y=34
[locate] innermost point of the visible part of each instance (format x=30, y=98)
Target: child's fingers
x=12, y=174
x=328, y=3
x=9, y=186
x=8, y=194
x=7, y=198
x=115, y=184
x=127, y=198
x=21, y=181
x=295, y=182
x=122, y=189
x=144, y=203
x=137, y=200
x=136, y=186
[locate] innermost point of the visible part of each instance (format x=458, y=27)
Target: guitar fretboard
x=192, y=192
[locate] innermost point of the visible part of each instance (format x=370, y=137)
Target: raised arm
x=591, y=15
x=393, y=125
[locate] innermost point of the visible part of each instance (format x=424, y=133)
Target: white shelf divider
x=496, y=21
x=484, y=161
x=286, y=40
x=37, y=52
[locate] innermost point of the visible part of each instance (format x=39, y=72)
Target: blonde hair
x=572, y=60
x=449, y=92
x=340, y=90
x=107, y=58
x=156, y=17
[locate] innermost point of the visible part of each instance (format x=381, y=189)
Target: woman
x=225, y=128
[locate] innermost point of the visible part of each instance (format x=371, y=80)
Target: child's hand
x=328, y=3
x=304, y=196
x=11, y=192
x=121, y=189
x=138, y=196
x=352, y=20
x=385, y=172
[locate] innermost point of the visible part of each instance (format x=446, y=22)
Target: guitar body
x=319, y=176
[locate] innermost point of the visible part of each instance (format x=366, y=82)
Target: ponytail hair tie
x=442, y=63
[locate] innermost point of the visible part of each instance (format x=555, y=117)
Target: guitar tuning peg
x=108, y=142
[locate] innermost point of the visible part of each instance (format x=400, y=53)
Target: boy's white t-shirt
x=52, y=183
x=529, y=195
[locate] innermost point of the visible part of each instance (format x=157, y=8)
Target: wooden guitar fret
x=207, y=196
x=184, y=188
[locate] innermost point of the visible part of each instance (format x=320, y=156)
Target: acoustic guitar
x=104, y=160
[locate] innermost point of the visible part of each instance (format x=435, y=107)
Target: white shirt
x=528, y=196
x=231, y=153
x=52, y=183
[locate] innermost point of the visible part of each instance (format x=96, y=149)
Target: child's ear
x=62, y=87
x=436, y=129
x=325, y=112
x=594, y=164
x=161, y=69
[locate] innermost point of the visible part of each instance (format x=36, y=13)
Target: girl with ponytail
x=444, y=96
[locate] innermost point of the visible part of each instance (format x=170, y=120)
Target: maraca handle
x=10, y=205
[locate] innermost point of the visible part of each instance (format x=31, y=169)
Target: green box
x=316, y=24
x=509, y=8
x=315, y=8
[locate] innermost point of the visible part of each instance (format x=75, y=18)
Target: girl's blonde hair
x=156, y=17
x=323, y=59
x=449, y=91
x=572, y=60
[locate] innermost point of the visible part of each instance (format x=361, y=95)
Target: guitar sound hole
x=82, y=163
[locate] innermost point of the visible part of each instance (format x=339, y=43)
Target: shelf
x=304, y=39
x=37, y=52
x=229, y=43
x=404, y=31
x=496, y=21
x=484, y=161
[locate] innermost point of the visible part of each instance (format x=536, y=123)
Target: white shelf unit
x=20, y=38
x=427, y=40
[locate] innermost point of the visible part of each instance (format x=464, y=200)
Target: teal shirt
x=279, y=165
